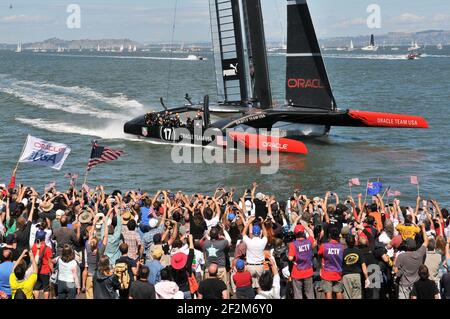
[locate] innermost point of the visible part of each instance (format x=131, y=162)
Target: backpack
x=121, y=271
x=20, y=294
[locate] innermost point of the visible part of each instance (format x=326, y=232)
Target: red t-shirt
x=45, y=268
x=242, y=279
x=296, y=273
x=328, y=275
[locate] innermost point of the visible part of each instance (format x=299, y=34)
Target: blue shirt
x=144, y=215
x=155, y=271
x=147, y=239
x=5, y=271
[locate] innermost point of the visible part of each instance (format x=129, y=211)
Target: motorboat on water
x=193, y=57
x=414, y=56
x=245, y=108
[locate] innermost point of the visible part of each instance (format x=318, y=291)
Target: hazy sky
x=151, y=20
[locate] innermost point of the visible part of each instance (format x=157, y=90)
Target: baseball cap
x=157, y=252
x=260, y=196
x=171, y=195
x=153, y=223
x=299, y=229
x=231, y=216
x=240, y=264
x=40, y=235
x=60, y=212
x=11, y=239
x=410, y=244
x=256, y=230
x=316, y=199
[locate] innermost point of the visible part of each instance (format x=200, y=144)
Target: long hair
x=103, y=265
x=67, y=254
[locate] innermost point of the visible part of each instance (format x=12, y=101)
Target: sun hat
x=256, y=230
x=46, y=206
x=153, y=223
x=240, y=264
x=178, y=261
x=85, y=218
x=126, y=216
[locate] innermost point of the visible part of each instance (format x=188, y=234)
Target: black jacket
x=105, y=286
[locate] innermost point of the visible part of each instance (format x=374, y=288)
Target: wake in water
x=371, y=56
x=113, y=131
x=123, y=57
x=76, y=99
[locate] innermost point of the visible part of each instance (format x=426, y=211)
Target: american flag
x=414, y=180
x=102, y=154
x=393, y=193
x=48, y=187
x=354, y=182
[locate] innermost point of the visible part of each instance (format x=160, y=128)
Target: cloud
x=407, y=18
x=24, y=19
x=350, y=23
x=441, y=17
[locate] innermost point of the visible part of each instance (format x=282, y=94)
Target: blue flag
x=374, y=188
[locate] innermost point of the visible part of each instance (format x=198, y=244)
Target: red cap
x=299, y=229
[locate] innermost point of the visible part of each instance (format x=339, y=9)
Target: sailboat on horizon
x=371, y=47
x=351, y=47
x=244, y=89
x=414, y=46
x=19, y=48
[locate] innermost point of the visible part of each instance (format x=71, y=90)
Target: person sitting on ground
x=212, y=287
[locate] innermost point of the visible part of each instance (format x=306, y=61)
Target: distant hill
x=429, y=37
x=54, y=43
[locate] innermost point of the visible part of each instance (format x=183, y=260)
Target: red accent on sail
x=389, y=119
x=269, y=143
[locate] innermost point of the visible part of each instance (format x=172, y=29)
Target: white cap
x=2, y=185
x=260, y=196
x=153, y=223
x=24, y=202
x=316, y=199
x=60, y=212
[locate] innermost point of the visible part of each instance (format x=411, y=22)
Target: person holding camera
x=256, y=245
x=17, y=279
x=43, y=254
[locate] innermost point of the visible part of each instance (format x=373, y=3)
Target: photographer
x=269, y=283
x=17, y=279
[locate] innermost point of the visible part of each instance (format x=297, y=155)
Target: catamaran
x=244, y=89
x=371, y=46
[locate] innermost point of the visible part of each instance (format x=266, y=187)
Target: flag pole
x=418, y=188
x=21, y=153
x=367, y=185
x=85, y=177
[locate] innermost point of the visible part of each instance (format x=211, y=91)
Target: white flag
x=45, y=153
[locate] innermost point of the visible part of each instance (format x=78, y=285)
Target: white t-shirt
x=249, y=208
x=255, y=249
x=66, y=270
x=212, y=222
x=273, y=293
